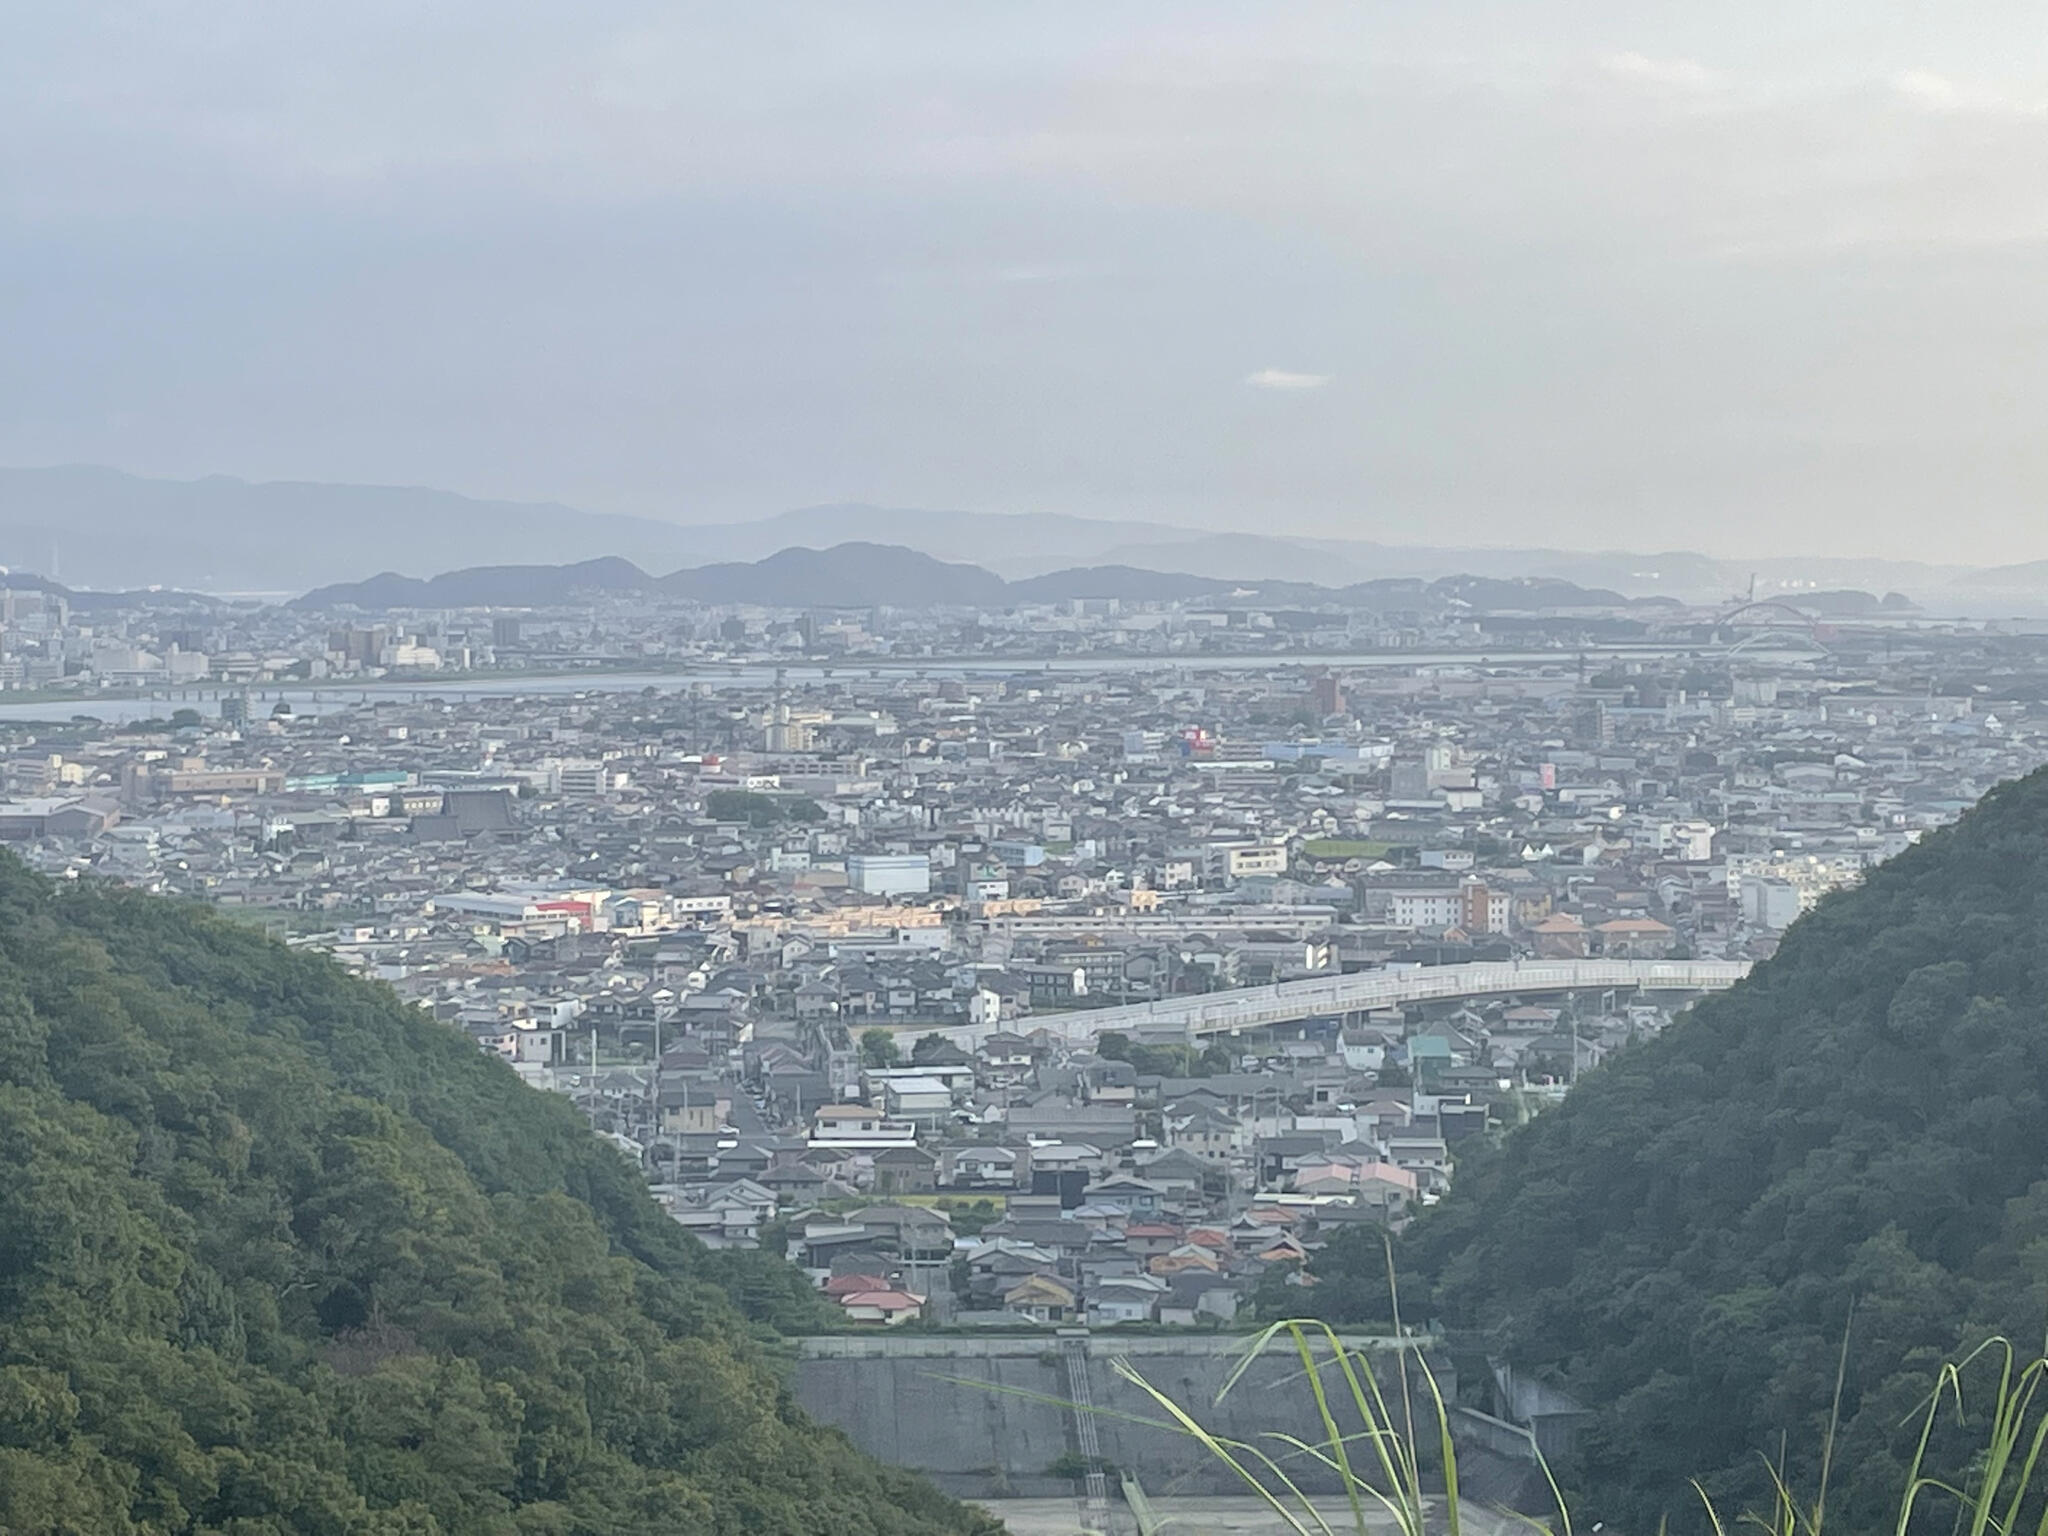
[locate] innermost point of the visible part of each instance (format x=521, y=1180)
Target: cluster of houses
x=1032, y=1182
x=824, y=945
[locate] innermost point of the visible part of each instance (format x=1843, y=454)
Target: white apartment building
x=1813, y=875
x=1689, y=841
x=857, y=1125
x=1470, y=905
x=889, y=874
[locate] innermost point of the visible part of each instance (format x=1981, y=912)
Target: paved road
x=745, y=1118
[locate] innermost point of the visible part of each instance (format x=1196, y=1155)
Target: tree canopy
x=1171, y=1060
x=761, y=810
x=1855, y=1129
x=281, y=1254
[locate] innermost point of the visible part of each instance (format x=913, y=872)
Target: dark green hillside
x=1866, y=1120
x=278, y=1254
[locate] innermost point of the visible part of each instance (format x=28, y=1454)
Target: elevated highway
x=1321, y=997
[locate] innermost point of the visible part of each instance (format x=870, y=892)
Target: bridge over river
x=1323, y=997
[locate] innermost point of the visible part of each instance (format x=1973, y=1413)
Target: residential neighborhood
x=898, y=966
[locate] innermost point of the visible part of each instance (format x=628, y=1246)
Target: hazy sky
x=1754, y=276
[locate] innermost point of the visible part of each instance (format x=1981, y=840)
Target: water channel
x=310, y=697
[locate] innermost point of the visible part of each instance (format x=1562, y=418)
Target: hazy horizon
x=851, y=506
x=1752, y=282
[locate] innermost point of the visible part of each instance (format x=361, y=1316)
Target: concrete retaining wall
x=986, y=1417
x=1511, y=1441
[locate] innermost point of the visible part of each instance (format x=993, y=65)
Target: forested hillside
x=1865, y=1121
x=278, y=1254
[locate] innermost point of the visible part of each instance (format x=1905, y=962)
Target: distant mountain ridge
x=859, y=575
x=846, y=576
x=855, y=575
x=483, y=586
x=100, y=528
x=107, y=529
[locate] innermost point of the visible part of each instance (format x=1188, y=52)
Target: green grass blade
x=1330, y=1426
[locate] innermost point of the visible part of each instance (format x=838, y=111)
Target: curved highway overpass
x=1288, y=1002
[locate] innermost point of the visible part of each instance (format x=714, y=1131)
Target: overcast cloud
x=1748, y=278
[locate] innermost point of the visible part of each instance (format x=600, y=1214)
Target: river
x=754, y=675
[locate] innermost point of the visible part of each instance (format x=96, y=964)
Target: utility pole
x=654, y=1089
